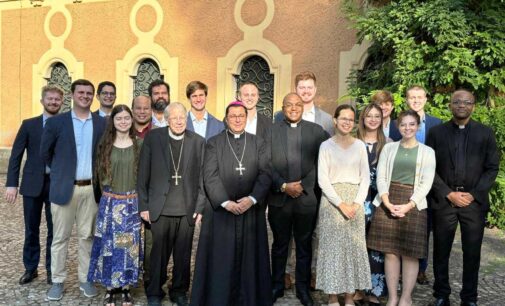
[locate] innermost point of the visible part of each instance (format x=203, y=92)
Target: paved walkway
x=492, y=276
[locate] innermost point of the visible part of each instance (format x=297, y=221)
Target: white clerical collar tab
x=461, y=127
x=236, y=136
x=293, y=124
x=173, y=136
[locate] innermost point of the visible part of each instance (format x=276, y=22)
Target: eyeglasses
x=235, y=117
x=106, y=93
x=462, y=103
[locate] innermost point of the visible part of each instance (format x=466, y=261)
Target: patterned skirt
x=375, y=258
x=405, y=236
x=117, y=252
x=342, y=262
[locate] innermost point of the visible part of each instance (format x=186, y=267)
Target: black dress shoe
x=277, y=293
x=49, y=278
x=440, y=302
x=305, y=298
x=28, y=277
x=468, y=304
x=181, y=300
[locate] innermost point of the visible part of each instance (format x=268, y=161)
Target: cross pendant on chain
x=240, y=168
x=176, y=177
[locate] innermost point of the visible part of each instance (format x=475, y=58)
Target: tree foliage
x=442, y=45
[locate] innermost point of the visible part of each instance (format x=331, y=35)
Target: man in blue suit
x=68, y=146
x=35, y=183
x=199, y=120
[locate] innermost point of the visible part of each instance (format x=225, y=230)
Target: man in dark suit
x=257, y=124
x=467, y=166
x=172, y=206
x=199, y=119
x=292, y=201
x=35, y=183
x=68, y=145
x=106, y=95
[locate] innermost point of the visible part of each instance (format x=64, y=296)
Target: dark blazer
x=154, y=169
x=214, y=126
x=263, y=126
x=28, y=138
x=312, y=137
x=322, y=118
x=482, y=162
x=58, y=149
x=430, y=122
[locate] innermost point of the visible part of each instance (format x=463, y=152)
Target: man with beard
x=257, y=124
x=172, y=206
x=142, y=113
x=292, y=200
x=199, y=120
x=35, y=183
x=68, y=146
x=159, y=91
x=106, y=95
x=232, y=264
x=467, y=166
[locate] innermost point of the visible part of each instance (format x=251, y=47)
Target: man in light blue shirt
x=199, y=120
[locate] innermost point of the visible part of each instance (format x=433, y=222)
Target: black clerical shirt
x=460, y=140
x=174, y=203
x=294, y=152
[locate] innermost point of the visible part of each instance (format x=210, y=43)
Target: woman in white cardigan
x=404, y=177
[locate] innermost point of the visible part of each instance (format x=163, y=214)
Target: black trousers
x=170, y=234
x=297, y=220
x=445, y=221
x=32, y=209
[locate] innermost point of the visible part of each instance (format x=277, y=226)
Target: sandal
x=127, y=298
x=108, y=299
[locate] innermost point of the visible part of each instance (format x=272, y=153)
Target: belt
x=82, y=182
x=458, y=188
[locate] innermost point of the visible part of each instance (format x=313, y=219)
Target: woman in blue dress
x=117, y=254
x=370, y=132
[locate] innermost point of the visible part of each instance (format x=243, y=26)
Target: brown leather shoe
x=313, y=282
x=288, y=281
x=422, y=279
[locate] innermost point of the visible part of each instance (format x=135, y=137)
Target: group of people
x=354, y=210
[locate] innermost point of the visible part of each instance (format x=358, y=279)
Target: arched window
x=59, y=76
x=147, y=72
x=256, y=70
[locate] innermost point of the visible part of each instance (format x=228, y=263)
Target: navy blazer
x=27, y=138
x=430, y=122
x=322, y=118
x=58, y=149
x=214, y=126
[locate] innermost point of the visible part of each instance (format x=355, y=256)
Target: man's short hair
x=51, y=88
x=172, y=106
x=248, y=83
x=157, y=83
x=81, y=82
x=382, y=96
x=305, y=75
x=194, y=86
x=415, y=87
x=103, y=84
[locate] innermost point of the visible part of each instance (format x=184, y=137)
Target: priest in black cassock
x=232, y=261
x=171, y=199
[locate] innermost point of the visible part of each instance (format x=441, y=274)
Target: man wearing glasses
x=106, y=95
x=467, y=166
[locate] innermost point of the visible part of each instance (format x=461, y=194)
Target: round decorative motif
x=254, y=20
x=146, y=18
x=253, y=12
x=146, y=9
x=58, y=23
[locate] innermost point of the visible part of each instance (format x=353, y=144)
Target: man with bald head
x=142, y=113
x=467, y=166
x=292, y=201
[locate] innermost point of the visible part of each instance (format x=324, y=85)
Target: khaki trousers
x=82, y=210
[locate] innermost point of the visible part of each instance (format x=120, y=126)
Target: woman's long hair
x=103, y=165
x=381, y=138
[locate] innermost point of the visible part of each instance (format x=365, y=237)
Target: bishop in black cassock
x=232, y=261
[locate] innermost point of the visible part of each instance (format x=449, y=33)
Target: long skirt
x=117, y=252
x=405, y=236
x=342, y=263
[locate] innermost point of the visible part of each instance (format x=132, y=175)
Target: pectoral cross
x=240, y=168
x=176, y=177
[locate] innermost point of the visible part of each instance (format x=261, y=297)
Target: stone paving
x=492, y=276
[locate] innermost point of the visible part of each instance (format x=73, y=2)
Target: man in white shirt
x=106, y=95
x=257, y=124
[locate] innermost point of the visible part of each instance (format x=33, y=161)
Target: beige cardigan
x=425, y=173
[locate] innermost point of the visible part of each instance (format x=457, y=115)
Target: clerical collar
x=236, y=135
x=459, y=126
x=175, y=137
x=292, y=124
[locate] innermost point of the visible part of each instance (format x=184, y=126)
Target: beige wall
x=197, y=33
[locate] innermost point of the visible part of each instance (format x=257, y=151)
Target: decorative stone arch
x=253, y=44
x=350, y=60
x=42, y=71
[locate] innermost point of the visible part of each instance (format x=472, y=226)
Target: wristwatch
x=283, y=187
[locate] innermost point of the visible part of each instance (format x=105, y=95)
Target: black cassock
x=232, y=261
